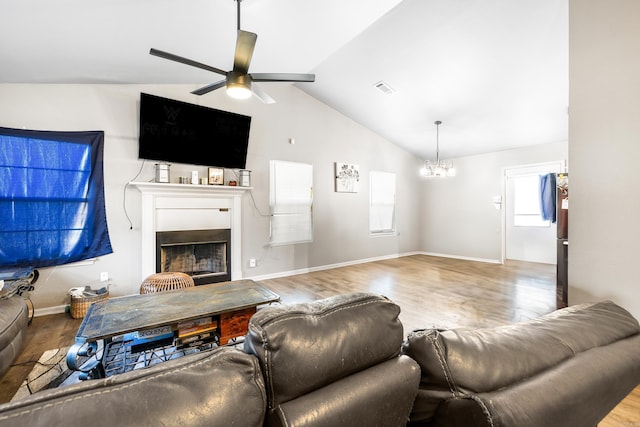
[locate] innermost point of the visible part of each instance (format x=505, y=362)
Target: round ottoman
x=166, y=281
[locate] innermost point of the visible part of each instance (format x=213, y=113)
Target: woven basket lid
x=166, y=281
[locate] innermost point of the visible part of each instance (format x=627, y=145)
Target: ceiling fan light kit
x=439, y=169
x=238, y=85
x=239, y=81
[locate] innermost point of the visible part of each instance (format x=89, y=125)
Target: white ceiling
x=494, y=71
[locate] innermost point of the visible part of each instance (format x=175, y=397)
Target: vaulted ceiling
x=495, y=72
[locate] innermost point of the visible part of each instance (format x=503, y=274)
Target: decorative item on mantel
x=440, y=168
x=216, y=176
x=245, y=177
x=166, y=281
x=163, y=173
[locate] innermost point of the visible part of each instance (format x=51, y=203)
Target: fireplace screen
x=202, y=254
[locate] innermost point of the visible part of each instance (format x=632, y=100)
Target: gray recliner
x=334, y=363
x=14, y=318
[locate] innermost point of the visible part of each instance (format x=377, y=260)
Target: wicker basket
x=166, y=281
x=80, y=305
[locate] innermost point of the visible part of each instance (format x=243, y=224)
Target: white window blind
x=291, y=202
x=382, y=202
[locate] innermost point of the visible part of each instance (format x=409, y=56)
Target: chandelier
x=439, y=168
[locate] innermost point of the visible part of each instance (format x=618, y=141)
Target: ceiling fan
x=239, y=81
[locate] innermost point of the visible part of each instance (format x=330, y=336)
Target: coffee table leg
x=91, y=368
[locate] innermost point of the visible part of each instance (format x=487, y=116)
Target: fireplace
x=180, y=207
x=205, y=255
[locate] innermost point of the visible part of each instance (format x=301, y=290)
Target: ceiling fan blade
x=245, y=44
x=176, y=58
x=262, y=95
x=209, y=88
x=283, y=77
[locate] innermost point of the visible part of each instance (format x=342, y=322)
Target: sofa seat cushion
x=463, y=362
x=219, y=387
x=14, y=317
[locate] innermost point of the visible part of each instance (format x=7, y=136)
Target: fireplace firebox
x=205, y=255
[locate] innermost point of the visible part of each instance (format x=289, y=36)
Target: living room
x=463, y=223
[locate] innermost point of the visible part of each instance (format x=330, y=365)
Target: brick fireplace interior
x=205, y=255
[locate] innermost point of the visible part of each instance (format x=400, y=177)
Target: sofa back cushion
x=303, y=347
x=222, y=387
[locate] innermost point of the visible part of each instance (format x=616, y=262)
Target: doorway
x=527, y=237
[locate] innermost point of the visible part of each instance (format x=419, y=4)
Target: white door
x=527, y=236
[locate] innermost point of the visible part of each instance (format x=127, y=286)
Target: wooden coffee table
x=132, y=331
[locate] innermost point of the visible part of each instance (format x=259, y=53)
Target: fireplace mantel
x=173, y=207
x=184, y=189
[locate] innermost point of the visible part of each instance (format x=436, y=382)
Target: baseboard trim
x=466, y=258
x=58, y=309
x=329, y=266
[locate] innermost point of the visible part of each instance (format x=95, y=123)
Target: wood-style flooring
x=431, y=292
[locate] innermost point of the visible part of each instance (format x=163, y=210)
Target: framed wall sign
x=216, y=176
x=347, y=177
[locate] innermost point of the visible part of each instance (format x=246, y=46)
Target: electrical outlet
x=252, y=262
x=104, y=276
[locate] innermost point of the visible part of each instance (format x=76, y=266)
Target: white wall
x=604, y=148
x=322, y=137
x=458, y=216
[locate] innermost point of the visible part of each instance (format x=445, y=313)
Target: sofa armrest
x=467, y=363
x=579, y=392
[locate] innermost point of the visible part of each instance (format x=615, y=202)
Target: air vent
x=384, y=88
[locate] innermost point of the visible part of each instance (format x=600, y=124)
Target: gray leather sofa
x=14, y=318
x=338, y=362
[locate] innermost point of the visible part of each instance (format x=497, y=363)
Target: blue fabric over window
x=52, y=209
x=548, y=197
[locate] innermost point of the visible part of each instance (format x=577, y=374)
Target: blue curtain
x=52, y=209
x=548, y=197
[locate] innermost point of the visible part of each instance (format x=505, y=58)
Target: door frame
x=532, y=167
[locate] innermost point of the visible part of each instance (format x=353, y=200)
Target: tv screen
x=179, y=132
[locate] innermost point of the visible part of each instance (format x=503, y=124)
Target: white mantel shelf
x=158, y=187
x=168, y=207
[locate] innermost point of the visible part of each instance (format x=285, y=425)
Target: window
x=527, y=210
x=51, y=198
x=382, y=202
x=291, y=202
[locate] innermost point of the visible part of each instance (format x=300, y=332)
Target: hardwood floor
x=436, y=292
x=431, y=291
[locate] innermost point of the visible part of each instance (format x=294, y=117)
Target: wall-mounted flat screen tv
x=179, y=132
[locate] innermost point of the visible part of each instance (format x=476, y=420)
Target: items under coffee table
x=121, y=334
